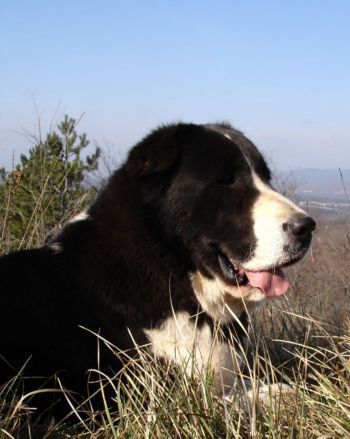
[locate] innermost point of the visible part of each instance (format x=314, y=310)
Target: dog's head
x=211, y=189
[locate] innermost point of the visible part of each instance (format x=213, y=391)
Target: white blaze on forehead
x=270, y=211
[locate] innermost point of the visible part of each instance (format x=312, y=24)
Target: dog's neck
x=215, y=301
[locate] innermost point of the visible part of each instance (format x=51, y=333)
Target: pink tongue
x=273, y=283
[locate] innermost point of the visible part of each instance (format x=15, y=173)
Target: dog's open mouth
x=272, y=282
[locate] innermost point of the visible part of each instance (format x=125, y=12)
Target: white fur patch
x=56, y=247
x=269, y=212
x=81, y=216
x=198, y=348
x=195, y=348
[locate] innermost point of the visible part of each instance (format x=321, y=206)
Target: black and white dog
x=186, y=237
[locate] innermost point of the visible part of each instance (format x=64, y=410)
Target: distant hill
x=319, y=184
x=319, y=191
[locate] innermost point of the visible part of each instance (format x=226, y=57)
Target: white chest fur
x=196, y=348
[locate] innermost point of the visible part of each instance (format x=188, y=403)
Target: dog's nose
x=300, y=226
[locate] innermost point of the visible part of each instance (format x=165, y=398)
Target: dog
x=186, y=238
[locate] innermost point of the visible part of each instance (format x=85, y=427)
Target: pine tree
x=46, y=188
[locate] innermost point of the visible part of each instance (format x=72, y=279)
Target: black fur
x=184, y=191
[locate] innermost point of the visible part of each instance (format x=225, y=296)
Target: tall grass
x=159, y=399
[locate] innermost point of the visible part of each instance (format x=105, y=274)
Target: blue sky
x=278, y=70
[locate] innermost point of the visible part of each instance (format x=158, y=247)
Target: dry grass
x=153, y=399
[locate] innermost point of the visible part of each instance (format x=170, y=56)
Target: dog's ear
x=156, y=153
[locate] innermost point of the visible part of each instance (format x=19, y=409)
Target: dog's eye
x=226, y=180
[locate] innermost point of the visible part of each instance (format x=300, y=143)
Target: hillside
x=319, y=191
x=320, y=184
